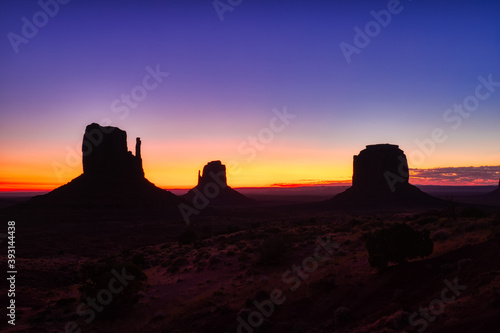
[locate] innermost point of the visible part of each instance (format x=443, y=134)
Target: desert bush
x=207, y=232
x=139, y=260
x=356, y=222
x=96, y=277
x=397, y=243
x=63, y=302
x=274, y=250
x=243, y=257
x=393, y=322
x=324, y=285
x=177, y=263
x=423, y=220
x=188, y=236
x=342, y=315
x=472, y=212
x=255, y=225
x=464, y=264
x=441, y=235
x=215, y=259
x=231, y=229
x=474, y=225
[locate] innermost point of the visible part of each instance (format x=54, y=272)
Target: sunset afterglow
x=214, y=92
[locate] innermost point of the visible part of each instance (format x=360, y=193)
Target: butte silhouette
x=112, y=179
x=212, y=189
x=496, y=193
x=380, y=179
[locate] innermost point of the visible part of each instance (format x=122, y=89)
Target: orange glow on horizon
x=175, y=164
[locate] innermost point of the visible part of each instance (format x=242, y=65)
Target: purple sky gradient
x=226, y=77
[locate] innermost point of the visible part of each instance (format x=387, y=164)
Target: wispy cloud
x=482, y=175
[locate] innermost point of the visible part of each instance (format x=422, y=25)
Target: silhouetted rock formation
x=214, y=170
x=376, y=165
x=212, y=189
x=496, y=193
x=105, y=154
x=380, y=178
x=112, y=178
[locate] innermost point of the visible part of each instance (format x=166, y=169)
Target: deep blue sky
x=225, y=78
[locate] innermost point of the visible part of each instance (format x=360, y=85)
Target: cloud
x=482, y=175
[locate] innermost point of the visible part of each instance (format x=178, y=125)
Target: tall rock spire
x=112, y=181
x=138, y=147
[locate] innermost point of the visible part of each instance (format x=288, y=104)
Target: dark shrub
x=255, y=225
x=139, y=260
x=397, y=243
x=231, y=229
x=441, y=235
x=243, y=257
x=96, y=280
x=177, y=264
x=423, y=220
x=274, y=250
x=189, y=236
x=472, y=212
x=207, y=232
x=324, y=285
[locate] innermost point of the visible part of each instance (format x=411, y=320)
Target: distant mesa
x=212, y=189
x=380, y=168
x=381, y=178
x=213, y=171
x=112, y=177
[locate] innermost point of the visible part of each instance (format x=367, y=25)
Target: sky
x=282, y=92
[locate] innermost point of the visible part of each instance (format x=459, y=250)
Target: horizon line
x=271, y=186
